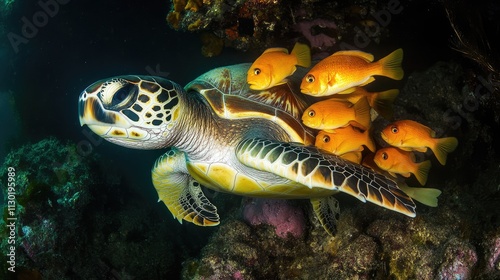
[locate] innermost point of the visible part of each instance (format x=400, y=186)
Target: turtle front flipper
x=316, y=169
x=180, y=192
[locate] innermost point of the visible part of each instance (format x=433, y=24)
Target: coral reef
x=212, y=45
x=287, y=219
x=459, y=260
x=72, y=223
x=320, y=41
x=259, y=24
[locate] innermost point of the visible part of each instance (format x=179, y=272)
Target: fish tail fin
x=427, y=196
x=303, y=54
x=382, y=102
x=362, y=113
x=443, y=147
x=422, y=171
x=390, y=66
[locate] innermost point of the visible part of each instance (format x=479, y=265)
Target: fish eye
x=394, y=129
x=256, y=71
x=326, y=138
x=310, y=78
x=385, y=156
x=311, y=113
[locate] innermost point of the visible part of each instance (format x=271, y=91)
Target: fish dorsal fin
x=366, y=56
x=283, y=50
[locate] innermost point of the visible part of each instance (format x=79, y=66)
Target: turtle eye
x=256, y=71
x=385, y=156
x=124, y=97
x=394, y=129
x=311, y=113
x=326, y=138
x=310, y=78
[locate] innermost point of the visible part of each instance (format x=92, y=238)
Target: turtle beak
x=92, y=113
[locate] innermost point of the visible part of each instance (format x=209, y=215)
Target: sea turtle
x=220, y=134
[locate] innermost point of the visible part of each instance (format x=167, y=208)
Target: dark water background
x=90, y=40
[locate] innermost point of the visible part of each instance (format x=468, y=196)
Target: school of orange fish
x=344, y=121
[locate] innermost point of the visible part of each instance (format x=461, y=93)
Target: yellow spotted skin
x=220, y=134
x=224, y=178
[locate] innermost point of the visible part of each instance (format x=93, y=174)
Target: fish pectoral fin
x=284, y=81
x=309, y=166
x=370, y=79
x=327, y=77
x=180, y=192
x=347, y=91
x=327, y=210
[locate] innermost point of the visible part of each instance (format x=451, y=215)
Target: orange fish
x=335, y=113
x=275, y=64
x=343, y=70
x=381, y=102
x=396, y=161
x=427, y=196
x=410, y=135
x=344, y=140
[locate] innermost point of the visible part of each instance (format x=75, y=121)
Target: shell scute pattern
x=230, y=97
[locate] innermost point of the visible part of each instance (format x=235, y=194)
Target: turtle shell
x=227, y=91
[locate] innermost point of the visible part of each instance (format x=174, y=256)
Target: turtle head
x=131, y=111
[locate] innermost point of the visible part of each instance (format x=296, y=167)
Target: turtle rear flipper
x=311, y=167
x=327, y=210
x=180, y=192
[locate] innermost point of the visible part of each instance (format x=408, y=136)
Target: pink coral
x=237, y=275
x=493, y=254
x=460, y=258
x=319, y=41
x=285, y=217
